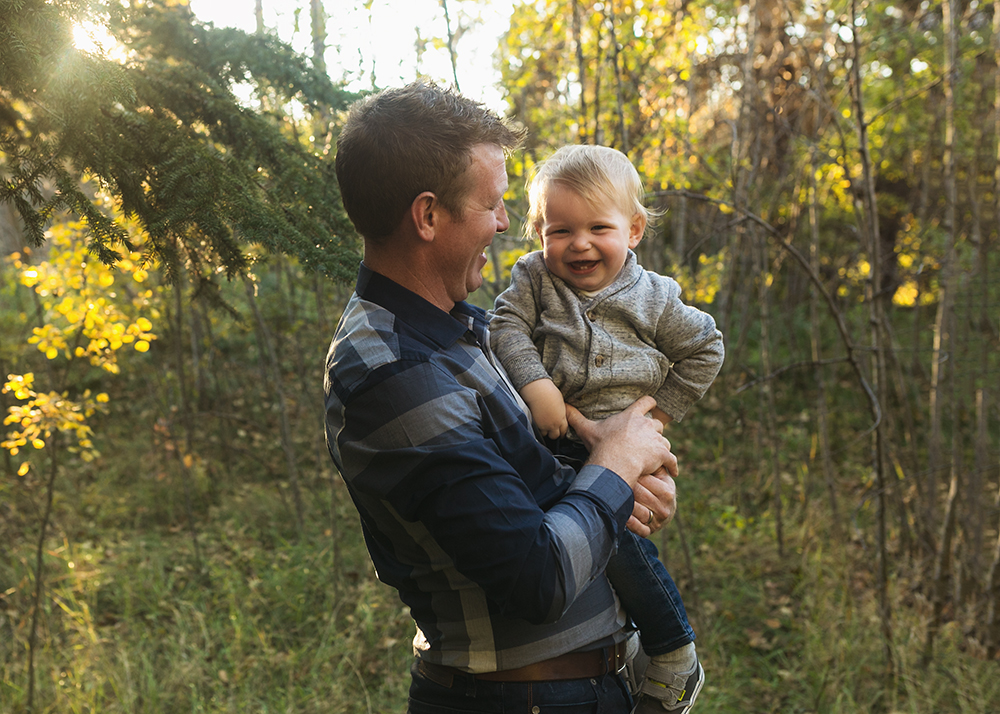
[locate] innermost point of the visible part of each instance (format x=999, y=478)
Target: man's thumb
x=583, y=426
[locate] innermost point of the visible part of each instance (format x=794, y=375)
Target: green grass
x=250, y=615
x=261, y=623
x=270, y=622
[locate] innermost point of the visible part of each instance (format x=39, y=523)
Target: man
x=497, y=549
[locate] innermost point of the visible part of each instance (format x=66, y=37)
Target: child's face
x=586, y=243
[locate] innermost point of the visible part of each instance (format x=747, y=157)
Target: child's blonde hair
x=594, y=172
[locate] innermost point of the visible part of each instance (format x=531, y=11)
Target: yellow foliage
x=85, y=316
x=703, y=286
x=507, y=260
x=40, y=414
x=906, y=294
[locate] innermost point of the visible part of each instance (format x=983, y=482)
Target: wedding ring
x=649, y=521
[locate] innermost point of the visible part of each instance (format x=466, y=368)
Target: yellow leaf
x=38, y=443
x=102, y=397
x=142, y=346
x=23, y=469
x=188, y=460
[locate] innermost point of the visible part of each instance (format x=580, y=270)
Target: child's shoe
x=664, y=690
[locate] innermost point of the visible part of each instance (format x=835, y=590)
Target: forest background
x=173, y=536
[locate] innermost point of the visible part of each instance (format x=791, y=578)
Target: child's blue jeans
x=645, y=588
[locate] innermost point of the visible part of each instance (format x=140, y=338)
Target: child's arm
x=548, y=410
x=689, y=338
x=513, y=321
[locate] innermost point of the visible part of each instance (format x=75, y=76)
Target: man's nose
x=503, y=222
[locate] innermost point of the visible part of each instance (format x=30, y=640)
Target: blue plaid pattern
x=496, y=548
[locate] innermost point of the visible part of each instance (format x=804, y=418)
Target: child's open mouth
x=583, y=266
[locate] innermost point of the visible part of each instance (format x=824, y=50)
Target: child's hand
x=548, y=410
x=660, y=416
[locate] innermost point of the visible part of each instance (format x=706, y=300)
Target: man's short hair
x=403, y=141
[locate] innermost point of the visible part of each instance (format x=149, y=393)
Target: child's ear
x=636, y=230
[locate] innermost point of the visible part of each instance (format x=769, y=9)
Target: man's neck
x=411, y=272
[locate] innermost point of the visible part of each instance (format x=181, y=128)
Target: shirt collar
x=420, y=314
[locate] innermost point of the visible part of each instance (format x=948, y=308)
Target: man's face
x=461, y=240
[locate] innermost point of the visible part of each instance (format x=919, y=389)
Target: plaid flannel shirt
x=498, y=549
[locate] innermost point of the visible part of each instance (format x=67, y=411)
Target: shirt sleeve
x=512, y=325
x=690, y=340
x=427, y=451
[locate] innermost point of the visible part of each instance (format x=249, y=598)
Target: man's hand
x=629, y=443
x=655, y=503
x=548, y=410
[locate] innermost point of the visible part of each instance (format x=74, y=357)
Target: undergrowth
x=247, y=615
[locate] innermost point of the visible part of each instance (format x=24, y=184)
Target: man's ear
x=636, y=230
x=423, y=213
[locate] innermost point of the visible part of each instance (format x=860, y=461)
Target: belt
x=572, y=665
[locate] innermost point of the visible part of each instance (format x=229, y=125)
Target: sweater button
x=590, y=315
x=535, y=710
x=599, y=360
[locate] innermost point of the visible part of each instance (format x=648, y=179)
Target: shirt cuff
x=607, y=487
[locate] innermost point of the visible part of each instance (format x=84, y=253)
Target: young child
x=583, y=323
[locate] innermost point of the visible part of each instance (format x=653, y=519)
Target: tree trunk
x=769, y=421
x=870, y=229
x=40, y=568
x=822, y=427
x=451, y=44
x=942, y=322
x=317, y=18
x=581, y=70
x=616, y=65
x=186, y=454
x=274, y=373
x=943, y=372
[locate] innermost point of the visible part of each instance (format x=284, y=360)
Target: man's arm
x=433, y=468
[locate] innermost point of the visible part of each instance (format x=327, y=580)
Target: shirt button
x=599, y=360
x=535, y=710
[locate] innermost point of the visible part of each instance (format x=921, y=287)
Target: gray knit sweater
x=633, y=338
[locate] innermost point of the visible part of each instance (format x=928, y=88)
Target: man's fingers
x=643, y=405
x=584, y=427
x=658, y=493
